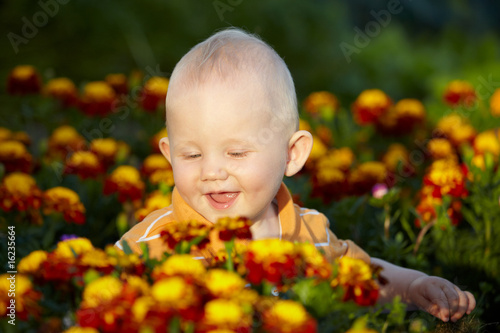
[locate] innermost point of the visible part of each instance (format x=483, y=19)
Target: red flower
x=24, y=80
x=154, y=92
x=370, y=105
x=459, y=92
x=230, y=228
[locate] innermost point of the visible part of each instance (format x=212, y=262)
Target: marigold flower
x=329, y=183
x=125, y=180
x=73, y=247
x=430, y=197
x=315, y=263
x=32, y=262
x=447, y=176
x=162, y=176
x=459, y=92
x=370, y=105
x=98, y=99
x=230, y=228
x=319, y=149
x=63, y=140
x=155, y=140
x=78, y=329
x=175, y=292
x=85, y=164
x=396, y=155
x=487, y=142
x=155, y=200
x=495, y=103
x=178, y=232
x=356, y=278
x=225, y=314
x=27, y=298
x=65, y=201
x=153, y=163
x=272, y=260
x=179, y=265
x=5, y=134
x=128, y=263
x=222, y=283
x=456, y=129
x=62, y=89
x=15, y=157
x=23, y=80
x=341, y=159
x=154, y=91
x=101, y=291
x=19, y=192
x=321, y=103
x=118, y=82
x=402, y=118
x=365, y=176
x=287, y=316
x=304, y=125
x=106, y=150
x=440, y=148
x=97, y=259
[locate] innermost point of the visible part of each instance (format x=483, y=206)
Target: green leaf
x=126, y=247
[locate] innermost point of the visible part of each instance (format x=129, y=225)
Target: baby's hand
x=440, y=298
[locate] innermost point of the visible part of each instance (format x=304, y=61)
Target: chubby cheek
x=185, y=177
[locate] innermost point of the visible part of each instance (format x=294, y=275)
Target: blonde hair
x=232, y=51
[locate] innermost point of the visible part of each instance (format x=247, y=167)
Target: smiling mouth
x=222, y=200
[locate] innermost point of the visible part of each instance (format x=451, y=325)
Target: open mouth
x=222, y=200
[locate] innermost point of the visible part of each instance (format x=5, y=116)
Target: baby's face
x=227, y=158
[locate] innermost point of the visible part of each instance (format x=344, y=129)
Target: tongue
x=223, y=197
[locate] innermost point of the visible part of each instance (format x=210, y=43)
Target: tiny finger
x=462, y=306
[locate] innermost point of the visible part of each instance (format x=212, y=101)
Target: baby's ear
x=299, y=148
x=164, y=145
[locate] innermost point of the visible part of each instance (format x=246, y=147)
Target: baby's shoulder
x=311, y=216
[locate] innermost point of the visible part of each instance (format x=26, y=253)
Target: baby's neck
x=269, y=226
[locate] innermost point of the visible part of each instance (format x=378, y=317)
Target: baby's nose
x=214, y=169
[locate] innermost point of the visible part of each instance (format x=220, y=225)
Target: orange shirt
x=297, y=224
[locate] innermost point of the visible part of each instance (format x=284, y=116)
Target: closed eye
x=238, y=154
x=192, y=156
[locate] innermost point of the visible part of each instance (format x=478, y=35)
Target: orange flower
x=63, y=140
x=495, y=103
x=26, y=297
x=441, y=148
x=155, y=200
x=487, y=142
x=184, y=232
x=15, y=157
x=230, y=228
x=321, y=103
x=221, y=283
x=356, y=278
x=125, y=180
x=430, y=198
x=287, y=316
x=62, y=89
x=340, y=159
x=365, y=176
x=402, y=118
x=154, y=92
x=447, y=177
x=85, y=164
x=396, y=155
x=106, y=150
x=153, y=163
x=118, y=82
x=370, y=105
x=98, y=99
x=20, y=192
x=23, y=80
x=182, y=265
x=458, y=93
x=456, y=129
x=225, y=314
x=65, y=201
x=155, y=140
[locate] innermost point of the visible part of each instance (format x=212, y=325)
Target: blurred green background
x=421, y=45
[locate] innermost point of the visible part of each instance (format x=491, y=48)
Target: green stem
x=229, y=249
x=387, y=220
x=421, y=235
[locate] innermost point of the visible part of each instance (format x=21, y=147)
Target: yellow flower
x=487, y=142
x=288, y=316
x=162, y=176
x=341, y=159
x=396, y=154
x=223, y=284
x=101, y=291
x=106, y=149
x=32, y=262
x=78, y=329
x=85, y=164
x=62, y=89
x=440, y=148
x=63, y=140
x=19, y=191
x=370, y=105
x=495, y=103
x=304, y=125
x=155, y=162
x=27, y=298
x=5, y=134
x=402, y=118
x=266, y=250
x=351, y=271
x=69, y=248
x=154, y=91
x=366, y=175
x=180, y=264
x=141, y=307
x=321, y=102
x=23, y=79
x=95, y=258
x=126, y=180
x=327, y=176
x=225, y=314
x=66, y=201
x=15, y=157
x=118, y=82
x=459, y=92
x=456, y=129
x=318, y=150
x=98, y=98
x=155, y=140
x=156, y=200
x=174, y=292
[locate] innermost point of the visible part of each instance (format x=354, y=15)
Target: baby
x=232, y=123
